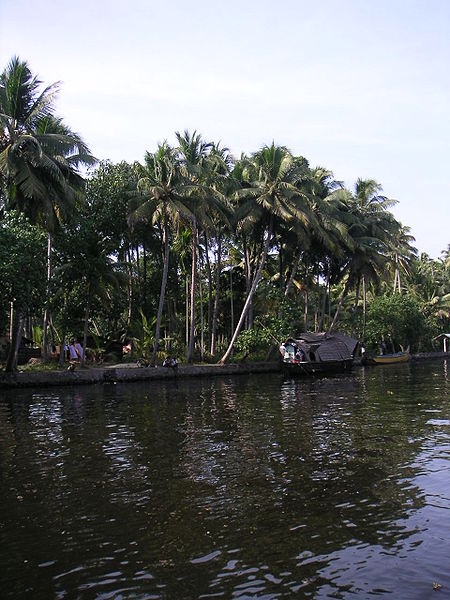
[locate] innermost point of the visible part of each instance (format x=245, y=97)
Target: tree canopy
x=193, y=252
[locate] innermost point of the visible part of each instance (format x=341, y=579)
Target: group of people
x=170, y=362
x=298, y=356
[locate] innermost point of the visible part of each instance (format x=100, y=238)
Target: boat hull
x=387, y=359
x=390, y=359
x=316, y=368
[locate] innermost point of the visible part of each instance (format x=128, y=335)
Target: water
x=252, y=487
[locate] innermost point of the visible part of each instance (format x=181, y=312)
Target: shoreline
x=132, y=373
x=128, y=373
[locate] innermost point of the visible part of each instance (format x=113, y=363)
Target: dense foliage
x=23, y=251
x=193, y=252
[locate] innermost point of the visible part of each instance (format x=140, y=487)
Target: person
x=299, y=355
x=75, y=350
x=72, y=350
x=79, y=350
x=282, y=350
x=383, y=347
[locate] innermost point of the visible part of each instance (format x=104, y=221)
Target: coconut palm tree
x=372, y=228
x=198, y=167
x=222, y=185
x=329, y=243
x=39, y=154
x=402, y=252
x=273, y=196
x=161, y=200
x=192, y=151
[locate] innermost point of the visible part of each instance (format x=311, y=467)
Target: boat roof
x=326, y=346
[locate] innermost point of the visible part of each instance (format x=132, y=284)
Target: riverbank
x=127, y=372
x=131, y=372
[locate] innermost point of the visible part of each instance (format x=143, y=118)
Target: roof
x=327, y=346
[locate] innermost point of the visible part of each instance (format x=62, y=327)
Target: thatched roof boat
x=316, y=353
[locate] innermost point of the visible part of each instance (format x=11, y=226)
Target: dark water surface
x=252, y=487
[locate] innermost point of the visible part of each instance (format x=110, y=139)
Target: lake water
x=245, y=487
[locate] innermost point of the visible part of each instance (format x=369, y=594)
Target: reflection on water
x=236, y=488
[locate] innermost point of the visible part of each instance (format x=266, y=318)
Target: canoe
x=390, y=359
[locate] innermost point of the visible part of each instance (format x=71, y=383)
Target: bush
x=398, y=318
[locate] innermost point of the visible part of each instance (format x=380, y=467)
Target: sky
x=361, y=87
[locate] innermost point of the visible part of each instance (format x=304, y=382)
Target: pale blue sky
x=361, y=87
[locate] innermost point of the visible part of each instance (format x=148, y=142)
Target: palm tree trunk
x=16, y=338
x=202, y=324
x=138, y=267
x=216, y=299
x=305, y=317
x=355, y=308
x=250, y=295
x=47, y=298
x=62, y=354
x=324, y=300
x=341, y=302
x=210, y=290
x=144, y=254
x=317, y=307
x=11, y=321
x=281, y=280
x=281, y=267
x=292, y=276
x=186, y=290
x=364, y=309
x=231, y=302
x=130, y=287
x=329, y=300
x=163, y=290
x=248, y=273
x=256, y=264
x=190, y=351
x=86, y=323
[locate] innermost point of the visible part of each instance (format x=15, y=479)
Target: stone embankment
x=430, y=355
x=121, y=373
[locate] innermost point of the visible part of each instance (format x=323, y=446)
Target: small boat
x=318, y=353
x=390, y=359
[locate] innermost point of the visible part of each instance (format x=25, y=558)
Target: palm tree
x=328, y=243
x=446, y=257
x=203, y=200
x=39, y=154
x=192, y=153
x=272, y=196
x=429, y=282
x=160, y=188
x=402, y=252
x=222, y=184
x=372, y=228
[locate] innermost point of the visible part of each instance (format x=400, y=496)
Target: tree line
x=194, y=252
